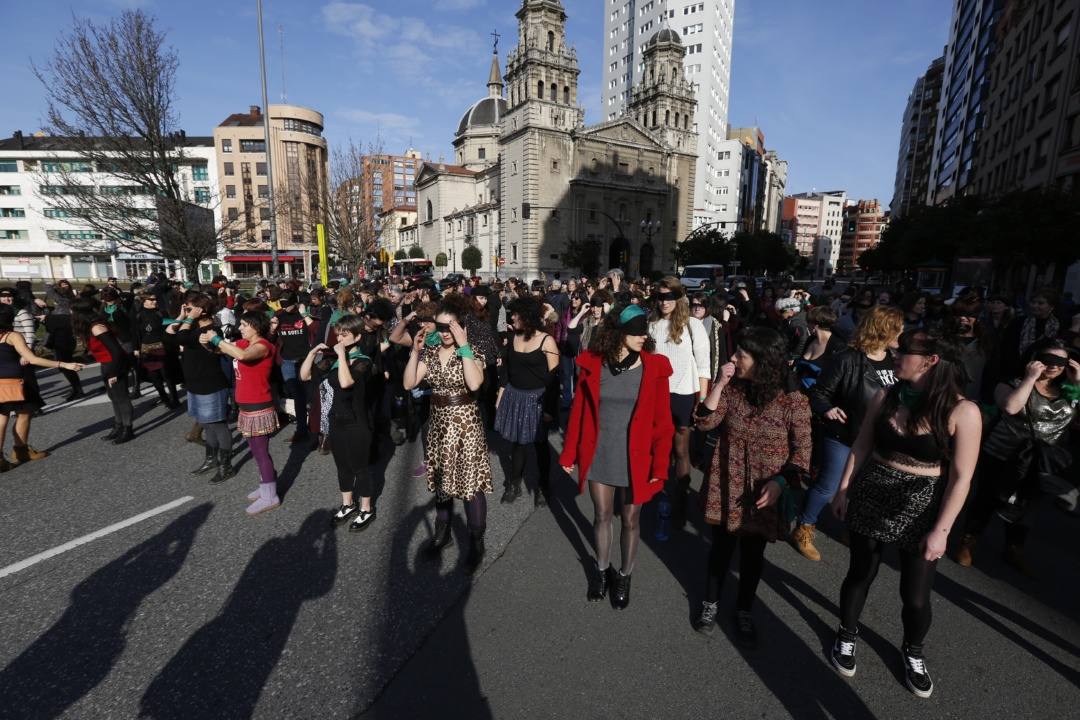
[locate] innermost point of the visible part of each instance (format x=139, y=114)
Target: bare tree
x=110, y=90
x=351, y=229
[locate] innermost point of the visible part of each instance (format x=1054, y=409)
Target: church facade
x=530, y=181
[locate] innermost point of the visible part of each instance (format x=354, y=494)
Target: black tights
x=475, y=512
x=751, y=565
x=123, y=412
x=603, y=497
x=217, y=436
x=916, y=581
x=518, y=454
x=161, y=379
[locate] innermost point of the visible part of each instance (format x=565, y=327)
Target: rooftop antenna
x=281, y=37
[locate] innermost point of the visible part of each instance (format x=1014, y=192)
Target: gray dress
x=618, y=395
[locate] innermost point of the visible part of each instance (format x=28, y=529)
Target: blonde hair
x=680, y=316
x=878, y=328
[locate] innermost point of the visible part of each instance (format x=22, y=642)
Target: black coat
x=849, y=382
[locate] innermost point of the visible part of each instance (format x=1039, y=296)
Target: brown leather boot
x=195, y=435
x=965, y=554
x=25, y=454
x=803, y=540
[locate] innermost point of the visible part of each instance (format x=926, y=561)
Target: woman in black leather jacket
x=839, y=400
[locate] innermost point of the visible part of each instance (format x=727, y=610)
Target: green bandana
x=354, y=354
x=1070, y=392
x=909, y=397
x=433, y=339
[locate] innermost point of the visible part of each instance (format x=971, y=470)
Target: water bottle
x=663, y=517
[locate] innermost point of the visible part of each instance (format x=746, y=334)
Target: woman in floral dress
x=457, y=455
x=763, y=447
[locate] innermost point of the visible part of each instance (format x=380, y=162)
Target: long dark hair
x=531, y=313
x=769, y=378
x=85, y=314
x=607, y=338
x=944, y=388
x=1045, y=345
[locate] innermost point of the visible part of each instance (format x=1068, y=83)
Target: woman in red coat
x=619, y=436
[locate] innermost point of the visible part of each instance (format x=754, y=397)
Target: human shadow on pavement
x=563, y=506
x=436, y=675
x=78, y=652
x=221, y=670
x=141, y=427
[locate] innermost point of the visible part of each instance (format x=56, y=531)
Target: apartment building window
x=1050, y=94
x=264, y=213
x=482, y=153
x=1042, y=151
x=12, y=212
x=10, y=190
x=253, y=146
x=202, y=196
x=13, y=234
x=230, y=191
x=226, y=146
x=200, y=172
x=230, y=169
x=73, y=235
x=1064, y=29
x=9, y=166
x=260, y=168
x=234, y=214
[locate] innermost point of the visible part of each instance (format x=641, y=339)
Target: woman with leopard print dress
x=457, y=456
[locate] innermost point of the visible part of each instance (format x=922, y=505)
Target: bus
x=412, y=269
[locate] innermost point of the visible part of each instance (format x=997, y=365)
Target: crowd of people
x=881, y=406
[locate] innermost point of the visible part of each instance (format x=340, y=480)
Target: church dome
x=486, y=112
x=665, y=35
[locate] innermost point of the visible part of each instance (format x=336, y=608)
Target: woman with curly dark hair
x=763, y=448
x=91, y=325
x=906, y=480
x=527, y=401
x=619, y=436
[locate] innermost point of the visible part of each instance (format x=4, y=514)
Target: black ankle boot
x=540, y=499
x=476, y=550
x=620, y=594
x=511, y=493
x=209, y=463
x=224, y=467
x=440, y=539
x=126, y=434
x=111, y=435
x=598, y=584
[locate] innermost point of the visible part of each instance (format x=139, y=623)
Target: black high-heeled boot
x=620, y=594
x=209, y=463
x=225, y=469
x=440, y=538
x=598, y=584
x=111, y=435
x=476, y=550
x=126, y=434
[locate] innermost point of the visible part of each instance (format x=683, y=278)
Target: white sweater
x=689, y=357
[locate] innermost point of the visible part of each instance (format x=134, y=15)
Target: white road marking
x=28, y=562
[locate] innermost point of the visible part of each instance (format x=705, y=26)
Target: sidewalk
x=523, y=642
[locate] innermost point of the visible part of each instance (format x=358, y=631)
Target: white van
x=693, y=276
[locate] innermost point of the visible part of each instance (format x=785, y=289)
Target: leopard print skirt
x=893, y=506
x=457, y=453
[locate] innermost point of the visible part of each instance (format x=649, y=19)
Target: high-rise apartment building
x=917, y=141
x=776, y=172
x=813, y=223
x=705, y=27
x=964, y=98
x=301, y=168
x=1031, y=135
x=864, y=222
x=387, y=182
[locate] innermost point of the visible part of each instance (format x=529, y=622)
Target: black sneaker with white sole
x=706, y=621
x=344, y=513
x=915, y=673
x=362, y=520
x=843, y=653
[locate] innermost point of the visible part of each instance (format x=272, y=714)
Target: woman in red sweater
x=253, y=358
x=92, y=327
x=619, y=437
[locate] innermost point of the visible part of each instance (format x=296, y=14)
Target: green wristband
x=169, y=321
x=466, y=352
x=187, y=321
x=216, y=340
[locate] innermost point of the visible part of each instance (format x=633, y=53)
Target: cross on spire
x=495, y=34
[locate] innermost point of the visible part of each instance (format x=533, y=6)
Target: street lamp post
x=274, y=267
x=650, y=228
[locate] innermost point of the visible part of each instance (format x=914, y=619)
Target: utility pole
x=274, y=265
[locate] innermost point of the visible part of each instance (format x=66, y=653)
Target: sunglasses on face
x=442, y=327
x=1050, y=360
x=667, y=297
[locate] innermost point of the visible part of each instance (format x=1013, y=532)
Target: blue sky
x=826, y=80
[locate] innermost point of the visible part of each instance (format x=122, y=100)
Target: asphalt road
x=201, y=612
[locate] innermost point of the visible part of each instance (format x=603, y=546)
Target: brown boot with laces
x=803, y=541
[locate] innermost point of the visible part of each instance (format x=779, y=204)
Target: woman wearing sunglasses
x=457, y=456
x=619, y=437
x=895, y=491
x=1029, y=442
x=683, y=341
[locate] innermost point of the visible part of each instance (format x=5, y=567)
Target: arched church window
x=667, y=118
x=551, y=42
x=686, y=121
x=540, y=90
x=676, y=120
x=566, y=94
x=554, y=93
x=654, y=118
x=429, y=213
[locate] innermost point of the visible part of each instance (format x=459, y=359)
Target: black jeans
x=751, y=565
x=350, y=445
x=62, y=342
x=123, y=412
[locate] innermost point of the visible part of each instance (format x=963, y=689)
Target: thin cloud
x=382, y=119
x=457, y=4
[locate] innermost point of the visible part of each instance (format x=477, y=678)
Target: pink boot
x=268, y=499
x=254, y=494
x=420, y=471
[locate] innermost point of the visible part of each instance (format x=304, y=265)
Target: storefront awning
x=260, y=258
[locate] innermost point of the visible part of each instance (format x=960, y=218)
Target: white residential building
x=39, y=242
x=705, y=27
